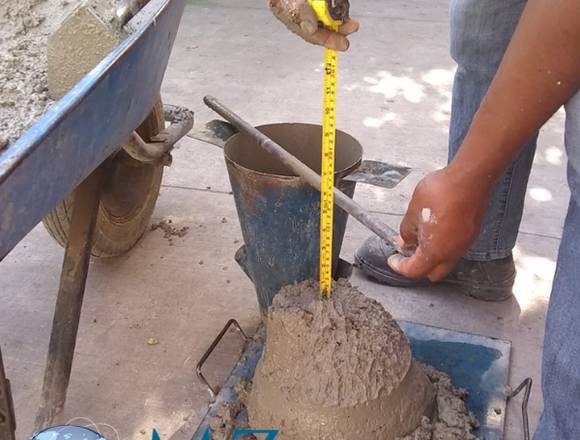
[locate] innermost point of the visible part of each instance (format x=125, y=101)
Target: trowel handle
x=311, y=177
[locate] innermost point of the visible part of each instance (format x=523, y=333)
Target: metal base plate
x=477, y=363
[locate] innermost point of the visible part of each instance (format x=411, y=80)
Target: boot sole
x=481, y=293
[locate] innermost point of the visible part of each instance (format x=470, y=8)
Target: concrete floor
x=394, y=97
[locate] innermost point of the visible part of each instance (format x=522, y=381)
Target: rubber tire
x=116, y=234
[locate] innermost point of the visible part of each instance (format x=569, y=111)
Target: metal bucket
x=279, y=212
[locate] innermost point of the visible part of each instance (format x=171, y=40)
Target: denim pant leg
x=480, y=33
x=561, y=359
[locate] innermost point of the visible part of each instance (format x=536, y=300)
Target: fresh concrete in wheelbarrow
x=30, y=64
x=79, y=44
x=394, y=98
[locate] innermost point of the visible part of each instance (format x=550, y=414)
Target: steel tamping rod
x=384, y=231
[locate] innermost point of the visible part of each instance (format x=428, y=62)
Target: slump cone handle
x=311, y=177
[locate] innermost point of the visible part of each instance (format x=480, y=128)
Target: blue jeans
x=480, y=33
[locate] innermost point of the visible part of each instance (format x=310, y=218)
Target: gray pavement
x=394, y=97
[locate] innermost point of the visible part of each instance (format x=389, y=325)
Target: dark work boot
x=487, y=281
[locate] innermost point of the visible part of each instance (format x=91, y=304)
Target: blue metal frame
x=476, y=363
x=84, y=127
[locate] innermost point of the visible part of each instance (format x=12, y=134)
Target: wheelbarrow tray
x=87, y=125
x=477, y=363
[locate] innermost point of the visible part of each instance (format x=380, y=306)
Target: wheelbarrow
x=91, y=166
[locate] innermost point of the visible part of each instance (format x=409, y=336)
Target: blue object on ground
x=68, y=432
x=477, y=363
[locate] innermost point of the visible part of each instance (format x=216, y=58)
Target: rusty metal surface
x=162, y=143
x=7, y=417
x=70, y=298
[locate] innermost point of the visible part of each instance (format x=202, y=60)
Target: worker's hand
x=301, y=19
x=443, y=219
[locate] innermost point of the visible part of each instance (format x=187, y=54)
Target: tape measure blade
x=327, y=171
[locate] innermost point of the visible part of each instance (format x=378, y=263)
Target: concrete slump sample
x=341, y=368
x=336, y=369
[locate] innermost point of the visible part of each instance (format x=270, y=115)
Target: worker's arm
x=301, y=19
x=539, y=73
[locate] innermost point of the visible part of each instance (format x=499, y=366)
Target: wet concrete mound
x=338, y=368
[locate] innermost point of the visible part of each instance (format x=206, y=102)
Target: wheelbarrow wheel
x=127, y=200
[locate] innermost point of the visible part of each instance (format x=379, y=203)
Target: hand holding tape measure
x=302, y=19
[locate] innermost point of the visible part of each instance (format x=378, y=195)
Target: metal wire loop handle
x=213, y=391
x=527, y=384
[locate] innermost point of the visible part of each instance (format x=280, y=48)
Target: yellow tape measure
x=328, y=147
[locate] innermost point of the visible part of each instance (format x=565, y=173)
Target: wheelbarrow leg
x=7, y=418
x=70, y=298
